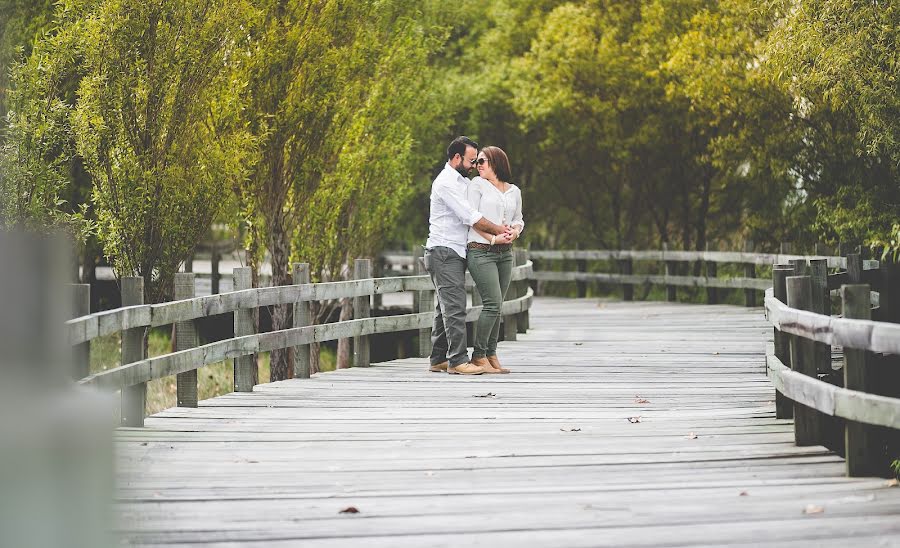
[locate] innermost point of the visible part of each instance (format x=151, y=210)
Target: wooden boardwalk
x=546, y=456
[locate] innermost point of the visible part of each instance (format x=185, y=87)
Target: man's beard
x=462, y=171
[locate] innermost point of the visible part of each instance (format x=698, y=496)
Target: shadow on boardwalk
x=546, y=456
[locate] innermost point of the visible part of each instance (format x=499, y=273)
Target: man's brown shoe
x=439, y=367
x=485, y=365
x=495, y=363
x=467, y=368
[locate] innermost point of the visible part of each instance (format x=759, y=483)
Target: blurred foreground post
x=55, y=438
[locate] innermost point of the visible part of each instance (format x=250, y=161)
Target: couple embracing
x=471, y=222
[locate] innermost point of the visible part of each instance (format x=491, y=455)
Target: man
x=445, y=257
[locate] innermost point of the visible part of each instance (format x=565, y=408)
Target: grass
x=212, y=380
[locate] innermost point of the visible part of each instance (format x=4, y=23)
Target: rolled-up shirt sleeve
x=517, y=219
x=458, y=203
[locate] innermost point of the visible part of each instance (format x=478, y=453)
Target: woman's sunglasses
x=480, y=161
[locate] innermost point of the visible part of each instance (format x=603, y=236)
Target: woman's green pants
x=491, y=271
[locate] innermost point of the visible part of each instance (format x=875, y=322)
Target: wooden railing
x=805, y=331
x=132, y=319
x=798, y=303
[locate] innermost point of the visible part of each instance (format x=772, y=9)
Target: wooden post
x=800, y=267
x=185, y=338
x=476, y=301
x=580, y=285
x=787, y=248
x=425, y=303
x=214, y=275
x=858, y=437
x=749, y=272
x=378, y=273
x=784, y=407
x=302, y=318
x=362, y=270
x=671, y=270
x=854, y=268
x=133, y=397
x=521, y=290
x=807, y=422
x=81, y=306
x=245, y=373
x=821, y=304
x=712, y=294
x=625, y=267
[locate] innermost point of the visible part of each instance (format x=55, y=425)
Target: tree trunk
x=280, y=363
x=343, y=347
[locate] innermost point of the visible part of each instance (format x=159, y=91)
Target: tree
x=140, y=124
x=839, y=60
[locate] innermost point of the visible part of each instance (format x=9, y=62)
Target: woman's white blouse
x=502, y=208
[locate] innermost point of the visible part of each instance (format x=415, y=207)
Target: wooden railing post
x=854, y=268
x=749, y=272
x=133, y=397
x=424, y=303
x=476, y=301
x=807, y=422
x=81, y=306
x=302, y=318
x=580, y=285
x=625, y=267
x=784, y=407
x=821, y=304
x=185, y=338
x=362, y=270
x=378, y=272
x=786, y=248
x=800, y=267
x=521, y=289
x=857, y=436
x=712, y=294
x=671, y=270
x=245, y=373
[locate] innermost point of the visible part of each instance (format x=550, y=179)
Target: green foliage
x=838, y=58
x=895, y=466
x=140, y=121
x=21, y=24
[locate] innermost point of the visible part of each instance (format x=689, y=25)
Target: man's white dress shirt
x=451, y=215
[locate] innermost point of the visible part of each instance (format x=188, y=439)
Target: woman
x=490, y=257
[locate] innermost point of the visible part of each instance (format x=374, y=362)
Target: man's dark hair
x=458, y=146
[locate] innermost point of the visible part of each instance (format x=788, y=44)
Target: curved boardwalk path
x=545, y=456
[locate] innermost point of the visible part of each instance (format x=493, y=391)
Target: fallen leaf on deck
x=744, y=494
x=143, y=444
x=633, y=420
x=349, y=510
x=892, y=483
x=813, y=509
x=488, y=395
x=572, y=429
x=691, y=436
x=638, y=399
x=715, y=353
x=578, y=344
